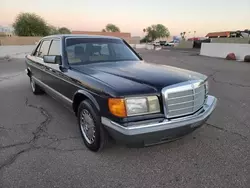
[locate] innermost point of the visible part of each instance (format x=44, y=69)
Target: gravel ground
x=40, y=144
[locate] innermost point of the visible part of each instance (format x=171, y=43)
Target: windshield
x=94, y=50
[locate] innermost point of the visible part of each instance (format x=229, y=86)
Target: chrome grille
x=184, y=98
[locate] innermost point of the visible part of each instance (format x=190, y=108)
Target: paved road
x=40, y=144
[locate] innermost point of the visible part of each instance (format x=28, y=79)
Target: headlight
x=142, y=105
x=134, y=106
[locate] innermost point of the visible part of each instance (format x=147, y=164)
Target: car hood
x=138, y=75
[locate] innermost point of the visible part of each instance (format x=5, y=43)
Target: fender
x=87, y=95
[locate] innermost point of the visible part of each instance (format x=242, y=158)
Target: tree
x=64, y=30
x=157, y=31
x=111, y=28
x=145, y=40
x=151, y=33
x=183, y=35
x=53, y=30
x=30, y=24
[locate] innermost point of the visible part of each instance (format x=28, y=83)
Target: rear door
x=38, y=69
x=35, y=62
x=44, y=49
x=55, y=77
x=50, y=69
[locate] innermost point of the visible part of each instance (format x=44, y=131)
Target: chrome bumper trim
x=196, y=119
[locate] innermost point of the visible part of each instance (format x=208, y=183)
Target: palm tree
x=183, y=35
x=144, y=30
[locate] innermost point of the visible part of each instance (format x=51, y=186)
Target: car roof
x=80, y=35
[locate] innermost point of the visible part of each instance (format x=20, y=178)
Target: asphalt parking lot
x=40, y=144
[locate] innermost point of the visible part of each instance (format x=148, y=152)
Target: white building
x=6, y=30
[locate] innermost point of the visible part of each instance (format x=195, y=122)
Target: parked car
x=162, y=43
x=115, y=94
x=171, y=43
x=156, y=43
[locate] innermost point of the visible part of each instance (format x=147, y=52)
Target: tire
x=88, y=115
x=34, y=87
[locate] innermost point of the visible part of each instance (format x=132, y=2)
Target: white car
x=171, y=43
x=156, y=43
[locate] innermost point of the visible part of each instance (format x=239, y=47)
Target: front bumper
x=160, y=131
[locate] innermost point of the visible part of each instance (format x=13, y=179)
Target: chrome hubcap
x=87, y=126
x=32, y=83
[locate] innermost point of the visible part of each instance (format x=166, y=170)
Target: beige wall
x=114, y=34
x=134, y=40
x=15, y=40
x=125, y=36
x=170, y=38
x=185, y=44
x=4, y=34
x=230, y=40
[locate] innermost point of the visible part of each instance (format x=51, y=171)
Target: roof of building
x=216, y=34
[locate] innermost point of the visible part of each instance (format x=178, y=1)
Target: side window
x=55, y=48
x=44, y=48
x=37, y=50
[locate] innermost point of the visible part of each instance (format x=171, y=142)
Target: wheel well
x=77, y=100
x=29, y=72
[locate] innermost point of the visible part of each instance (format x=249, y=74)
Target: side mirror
x=54, y=59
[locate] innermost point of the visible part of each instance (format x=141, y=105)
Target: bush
x=30, y=24
x=247, y=58
x=231, y=56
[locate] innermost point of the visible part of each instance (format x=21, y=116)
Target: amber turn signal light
x=117, y=107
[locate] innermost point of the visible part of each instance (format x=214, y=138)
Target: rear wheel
x=34, y=87
x=93, y=133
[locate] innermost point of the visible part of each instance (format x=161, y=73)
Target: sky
x=132, y=16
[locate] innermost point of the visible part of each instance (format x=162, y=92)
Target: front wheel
x=94, y=135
